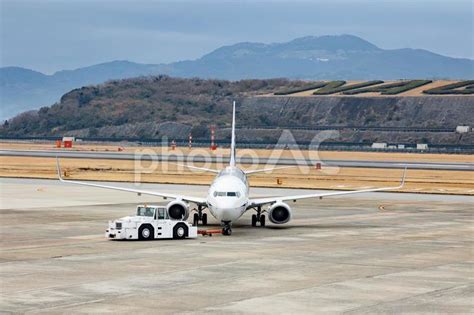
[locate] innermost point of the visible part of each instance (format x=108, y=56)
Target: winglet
x=402, y=182
x=58, y=169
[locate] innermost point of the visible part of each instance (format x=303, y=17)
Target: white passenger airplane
x=228, y=196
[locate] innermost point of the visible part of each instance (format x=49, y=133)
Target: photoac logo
x=286, y=152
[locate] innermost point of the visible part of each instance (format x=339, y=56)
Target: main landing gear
x=200, y=216
x=227, y=230
x=258, y=218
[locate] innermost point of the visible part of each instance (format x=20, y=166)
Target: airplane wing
x=198, y=168
x=268, y=169
x=196, y=200
x=263, y=201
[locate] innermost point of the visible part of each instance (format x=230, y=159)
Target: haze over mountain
x=312, y=58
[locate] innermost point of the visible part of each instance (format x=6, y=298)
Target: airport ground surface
x=374, y=253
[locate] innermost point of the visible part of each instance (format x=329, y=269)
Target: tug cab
x=149, y=222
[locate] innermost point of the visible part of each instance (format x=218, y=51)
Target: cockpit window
x=226, y=194
x=145, y=212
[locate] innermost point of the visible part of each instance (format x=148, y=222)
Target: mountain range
x=310, y=58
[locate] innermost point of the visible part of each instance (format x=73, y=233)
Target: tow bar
x=209, y=232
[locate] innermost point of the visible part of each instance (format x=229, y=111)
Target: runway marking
x=86, y=237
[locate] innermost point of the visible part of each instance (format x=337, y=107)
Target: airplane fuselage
x=228, y=195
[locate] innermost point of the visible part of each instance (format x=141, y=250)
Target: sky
x=53, y=35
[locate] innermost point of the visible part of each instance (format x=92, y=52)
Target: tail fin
x=232, y=143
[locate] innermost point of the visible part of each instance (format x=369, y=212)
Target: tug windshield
x=145, y=212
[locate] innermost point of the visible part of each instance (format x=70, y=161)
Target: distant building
x=422, y=146
x=463, y=129
x=67, y=141
x=379, y=145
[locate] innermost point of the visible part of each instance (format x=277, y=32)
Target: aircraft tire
x=262, y=220
x=204, y=219
x=254, y=220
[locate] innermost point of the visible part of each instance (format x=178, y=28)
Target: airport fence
x=203, y=143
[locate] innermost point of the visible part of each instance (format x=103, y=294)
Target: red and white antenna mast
x=213, y=138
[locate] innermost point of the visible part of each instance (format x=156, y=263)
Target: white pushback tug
x=150, y=222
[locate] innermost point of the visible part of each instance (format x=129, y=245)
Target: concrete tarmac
x=372, y=253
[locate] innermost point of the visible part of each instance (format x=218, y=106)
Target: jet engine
x=178, y=210
x=279, y=213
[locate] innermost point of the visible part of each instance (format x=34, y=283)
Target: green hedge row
x=301, y=89
x=330, y=86
x=391, y=88
x=451, y=88
x=338, y=86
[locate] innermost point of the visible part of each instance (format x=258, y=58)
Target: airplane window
x=226, y=194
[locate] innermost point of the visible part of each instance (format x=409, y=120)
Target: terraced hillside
x=381, y=88
x=394, y=119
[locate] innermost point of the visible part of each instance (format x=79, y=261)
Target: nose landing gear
x=227, y=230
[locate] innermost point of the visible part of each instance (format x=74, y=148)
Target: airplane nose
x=226, y=213
x=229, y=214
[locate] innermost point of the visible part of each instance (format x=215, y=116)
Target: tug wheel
x=146, y=232
x=180, y=231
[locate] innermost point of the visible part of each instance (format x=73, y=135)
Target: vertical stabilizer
x=232, y=143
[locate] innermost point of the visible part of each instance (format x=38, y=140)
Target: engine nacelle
x=178, y=210
x=279, y=213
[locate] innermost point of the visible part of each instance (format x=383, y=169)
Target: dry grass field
x=422, y=181
x=262, y=153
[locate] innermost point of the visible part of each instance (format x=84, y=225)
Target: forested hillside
x=154, y=107
x=159, y=99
